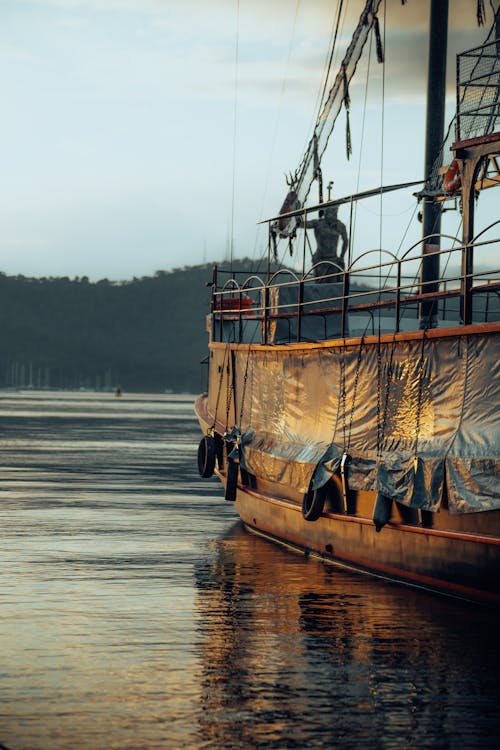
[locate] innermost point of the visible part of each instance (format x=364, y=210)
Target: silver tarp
x=415, y=418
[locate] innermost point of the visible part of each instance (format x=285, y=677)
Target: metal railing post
x=345, y=297
x=265, y=315
x=398, y=296
x=300, y=301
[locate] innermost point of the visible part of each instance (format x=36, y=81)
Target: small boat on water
x=352, y=408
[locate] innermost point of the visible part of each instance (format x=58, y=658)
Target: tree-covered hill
x=146, y=335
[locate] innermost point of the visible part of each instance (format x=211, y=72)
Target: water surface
x=135, y=612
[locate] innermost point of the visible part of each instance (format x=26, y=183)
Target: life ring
x=312, y=504
x=232, y=480
x=452, y=178
x=206, y=456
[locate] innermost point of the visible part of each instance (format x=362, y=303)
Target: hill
x=147, y=334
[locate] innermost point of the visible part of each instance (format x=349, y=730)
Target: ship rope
x=229, y=390
x=419, y=398
x=332, y=51
x=354, y=392
x=382, y=417
x=382, y=137
x=219, y=388
x=343, y=404
x=354, y=204
x=481, y=14
x=275, y=136
x=325, y=123
x=379, y=310
x=327, y=72
x=235, y=129
x=243, y=392
x=347, y=429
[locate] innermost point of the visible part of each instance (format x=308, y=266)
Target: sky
x=145, y=135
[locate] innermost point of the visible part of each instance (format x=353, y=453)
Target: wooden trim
x=479, y=141
x=362, y=521
x=385, y=338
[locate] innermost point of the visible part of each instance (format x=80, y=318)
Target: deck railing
x=363, y=299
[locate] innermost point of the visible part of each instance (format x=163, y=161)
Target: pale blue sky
x=117, y=124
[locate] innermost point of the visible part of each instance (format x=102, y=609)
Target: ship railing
x=385, y=297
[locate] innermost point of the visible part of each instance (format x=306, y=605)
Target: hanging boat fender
x=382, y=511
x=206, y=456
x=232, y=480
x=233, y=466
x=452, y=179
x=313, y=503
x=219, y=451
x=232, y=440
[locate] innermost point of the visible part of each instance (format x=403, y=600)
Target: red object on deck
x=233, y=303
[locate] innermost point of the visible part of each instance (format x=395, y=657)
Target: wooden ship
x=351, y=411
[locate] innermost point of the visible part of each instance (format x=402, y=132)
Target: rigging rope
x=333, y=48
x=275, y=130
x=321, y=97
x=354, y=204
x=481, y=15
x=382, y=115
x=219, y=388
x=306, y=172
x=235, y=123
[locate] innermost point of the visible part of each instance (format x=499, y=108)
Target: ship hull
x=457, y=564
x=453, y=553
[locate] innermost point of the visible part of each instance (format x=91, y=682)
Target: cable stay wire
x=327, y=68
x=274, y=136
x=235, y=128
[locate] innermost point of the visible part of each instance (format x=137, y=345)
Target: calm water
x=136, y=613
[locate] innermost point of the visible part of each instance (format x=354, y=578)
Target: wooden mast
x=434, y=133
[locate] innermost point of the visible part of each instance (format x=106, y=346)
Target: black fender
x=206, y=456
x=313, y=502
x=232, y=480
x=382, y=511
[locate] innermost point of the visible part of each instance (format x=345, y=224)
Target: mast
x=434, y=134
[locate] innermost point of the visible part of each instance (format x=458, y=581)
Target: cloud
x=129, y=104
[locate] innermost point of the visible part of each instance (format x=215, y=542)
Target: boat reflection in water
x=299, y=654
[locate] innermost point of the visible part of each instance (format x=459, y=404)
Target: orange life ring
x=452, y=178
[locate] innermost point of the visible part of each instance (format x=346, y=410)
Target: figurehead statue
x=328, y=230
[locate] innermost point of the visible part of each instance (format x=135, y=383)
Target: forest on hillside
x=147, y=334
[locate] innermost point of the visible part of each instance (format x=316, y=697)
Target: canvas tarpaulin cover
x=415, y=417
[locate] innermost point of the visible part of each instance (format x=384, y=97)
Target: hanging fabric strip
x=348, y=141
x=480, y=13
x=378, y=40
x=347, y=99
x=347, y=104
